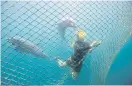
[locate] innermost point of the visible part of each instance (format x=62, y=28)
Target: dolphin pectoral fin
x=62, y=33
x=61, y=30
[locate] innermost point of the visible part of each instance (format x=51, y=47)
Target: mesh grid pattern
x=37, y=22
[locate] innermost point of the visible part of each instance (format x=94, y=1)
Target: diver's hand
x=61, y=63
x=96, y=43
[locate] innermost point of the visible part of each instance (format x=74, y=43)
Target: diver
x=81, y=49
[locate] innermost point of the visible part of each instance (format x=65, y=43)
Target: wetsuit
x=81, y=49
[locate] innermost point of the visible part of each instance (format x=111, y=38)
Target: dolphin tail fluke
x=54, y=58
x=44, y=56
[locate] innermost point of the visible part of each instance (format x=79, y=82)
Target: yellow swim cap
x=81, y=34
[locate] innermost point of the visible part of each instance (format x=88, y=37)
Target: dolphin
x=26, y=46
x=64, y=24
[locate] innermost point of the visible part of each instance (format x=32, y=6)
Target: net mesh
x=37, y=21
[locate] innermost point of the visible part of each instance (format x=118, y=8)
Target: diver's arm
x=95, y=43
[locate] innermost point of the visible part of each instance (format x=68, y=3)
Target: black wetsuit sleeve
x=85, y=47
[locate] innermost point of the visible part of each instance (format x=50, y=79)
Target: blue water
x=37, y=22
x=120, y=72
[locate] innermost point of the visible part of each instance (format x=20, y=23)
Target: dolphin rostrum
x=25, y=45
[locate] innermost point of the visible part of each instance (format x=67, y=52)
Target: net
x=37, y=21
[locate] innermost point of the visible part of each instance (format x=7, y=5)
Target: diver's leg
x=76, y=71
x=75, y=75
x=61, y=63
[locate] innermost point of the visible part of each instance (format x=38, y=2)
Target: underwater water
x=38, y=21
x=120, y=72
